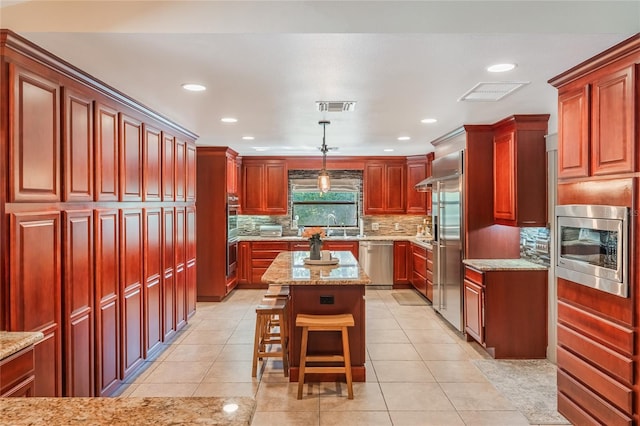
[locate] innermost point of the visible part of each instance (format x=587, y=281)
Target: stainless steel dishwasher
x=376, y=258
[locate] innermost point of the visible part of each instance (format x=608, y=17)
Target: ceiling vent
x=336, y=106
x=491, y=91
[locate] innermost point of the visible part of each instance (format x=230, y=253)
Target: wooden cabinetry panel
x=34, y=148
x=419, y=270
x=78, y=316
x=384, y=187
x=191, y=275
x=232, y=174
x=612, y=135
x=168, y=265
x=473, y=314
x=152, y=278
x=180, y=270
x=395, y=188
x=264, y=187
x=191, y=171
x=252, y=178
x=244, y=262
x=152, y=170
x=16, y=374
x=77, y=161
x=275, y=187
x=504, y=206
x=181, y=169
x=34, y=292
x=573, y=133
x=107, y=289
x=107, y=176
x=130, y=159
x=416, y=172
x=373, y=184
x=168, y=167
x=402, y=262
x=351, y=246
x=132, y=320
x=262, y=255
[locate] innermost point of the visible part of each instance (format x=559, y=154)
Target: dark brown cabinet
x=416, y=172
x=520, y=171
x=506, y=311
x=94, y=260
x=384, y=187
x=265, y=187
x=402, y=263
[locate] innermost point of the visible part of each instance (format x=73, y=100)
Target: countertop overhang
x=504, y=265
x=12, y=342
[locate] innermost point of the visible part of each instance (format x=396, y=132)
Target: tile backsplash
x=535, y=245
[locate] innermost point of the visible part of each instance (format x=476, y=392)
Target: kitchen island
x=328, y=290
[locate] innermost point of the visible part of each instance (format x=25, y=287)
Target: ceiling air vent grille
x=336, y=106
x=491, y=91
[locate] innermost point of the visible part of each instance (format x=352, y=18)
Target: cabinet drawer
x=429, y=264
x=265, y=254
x=474, y=275
x=429, y=275
x=16, y=368
x=261, y=263
x=269, y=245
x=430, y=255
x=419, y=263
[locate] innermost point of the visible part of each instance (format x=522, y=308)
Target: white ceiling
x=267, y=62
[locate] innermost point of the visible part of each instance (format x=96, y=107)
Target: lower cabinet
x=262, y=254
x=352, y=246
x=402, y=263
x=418, y=276
x=17, y=374
x=506, y=311
x=429, y=291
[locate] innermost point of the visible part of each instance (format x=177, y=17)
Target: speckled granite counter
x=411, y=238
x=14, y=341
x=126, y=411
x=503, y=265
x=289, y=268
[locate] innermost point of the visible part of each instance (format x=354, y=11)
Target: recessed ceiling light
x=229, y=120
x=194, y=87
x=261, y=148
x=428, y=120
x=501, y=67
x=248, y=138
x=404, y=138
x=388, y=150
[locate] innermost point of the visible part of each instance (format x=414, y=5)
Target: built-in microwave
x=592, y=246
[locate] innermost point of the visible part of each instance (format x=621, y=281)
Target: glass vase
x=315, y=247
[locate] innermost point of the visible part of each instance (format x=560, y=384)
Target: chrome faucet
x=329, y=217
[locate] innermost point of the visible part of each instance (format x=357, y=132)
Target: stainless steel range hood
x=425, y=185
x=446, y=167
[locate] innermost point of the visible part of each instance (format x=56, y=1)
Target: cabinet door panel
x=504, y=205
x=612, y=142
x=252, y=182
x=168, y=264
x=34, y=148
x=168, y=167
x=107, y=288
x=131, y=289
x=275, y=188
x=107, y=179
x=152, y=278
x=152, y=172
x=130, y=159
x=181, y=170
x=401, y=262
x=395, y=188
x=191, y=261
x=573, y=133
x=373, y=188
x=78, y=303
x=416, y=201
x=35, y=292
x=191, y=171
x=180, y=273
x=473, y=310
x=192, y=288
x=77, y=161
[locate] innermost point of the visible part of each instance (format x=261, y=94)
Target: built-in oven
x=232, y=234
x=592, y=246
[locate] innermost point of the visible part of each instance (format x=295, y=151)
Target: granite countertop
x=503, y=265
x=289, y=268
x=14, y=341
x=126, y=411
x=411, y=238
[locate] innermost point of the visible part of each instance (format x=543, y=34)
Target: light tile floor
x=419, y=371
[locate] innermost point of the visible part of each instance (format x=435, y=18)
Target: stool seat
x=338, y=322
x=277, y=291
x=270, y=313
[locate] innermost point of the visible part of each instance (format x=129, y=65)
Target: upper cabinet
x=416, y=172
x=385, y=186
x=596, y=110
x=264, y=187
x=520, y=171
x=233, y=186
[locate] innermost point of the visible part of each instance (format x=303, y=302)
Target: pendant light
x=324, y=183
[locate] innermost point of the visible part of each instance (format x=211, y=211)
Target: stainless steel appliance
x=376, y=258
x=232, y=234
x=593, y=246
x=447, y=204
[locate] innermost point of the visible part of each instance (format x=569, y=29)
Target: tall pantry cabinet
x=97, y=233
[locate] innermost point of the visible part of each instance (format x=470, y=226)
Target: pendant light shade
x=324, y=183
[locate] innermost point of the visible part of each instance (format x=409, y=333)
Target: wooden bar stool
x=339, y=323
x=268, y=311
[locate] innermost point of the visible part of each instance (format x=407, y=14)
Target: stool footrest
x=325, y=358
x=325, y=370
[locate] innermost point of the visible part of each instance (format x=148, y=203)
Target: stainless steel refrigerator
x=447, y=199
